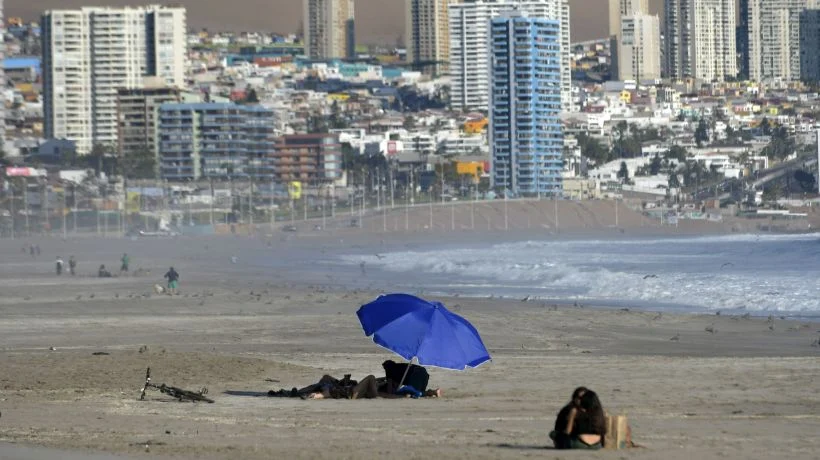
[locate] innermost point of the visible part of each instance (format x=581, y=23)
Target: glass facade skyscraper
x=525, y=132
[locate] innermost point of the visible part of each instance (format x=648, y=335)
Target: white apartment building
x=713, y=41
x=91, y=53
x=329, y=29
x=617, y=10
x=620, y=8
x=700, y=39
x=428, y=34
x=639, y=48
x=774, y=39
x=469, y=50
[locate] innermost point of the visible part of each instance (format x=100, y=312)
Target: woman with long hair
x=587, y=423
x=560, y=436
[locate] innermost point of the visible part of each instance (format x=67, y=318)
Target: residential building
x=773, y=28
x=810, y=45
x=742, y=39
x=428, y=34
x=308, y=158
x=215, y=140
x=700, y=39
x=90, y=53
x=462, y=144
x=137, y=113
x=639, y=48
x=620, y=8
x=677, y=35
x=469, y=47
x=329, y=29
x=526, y=140
x=617, y=10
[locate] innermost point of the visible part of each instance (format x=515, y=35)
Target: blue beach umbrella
x=423, y=331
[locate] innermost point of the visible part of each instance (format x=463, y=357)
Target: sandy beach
x=692, y=385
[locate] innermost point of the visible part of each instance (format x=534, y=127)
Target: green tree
x=772, y=192
x=655, y=165
x=103, y=158
x=781, y=144
x=765, y=126
x=702, y=133
x=623, y=173
x=337, y=120
x=592, y=149
x=250, y=96
x=806, y=180
x=676, y=152
x=409, y=122
x=673, y=181
x=139, y=164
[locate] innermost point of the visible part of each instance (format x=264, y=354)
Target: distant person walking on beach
x=125, y=261
x=31, y=250
x=72, y=265
x=59, y=265
x=173, y=280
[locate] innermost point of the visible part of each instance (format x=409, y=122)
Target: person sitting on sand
x=586, y=425
x=560, y=437
x=103, y=273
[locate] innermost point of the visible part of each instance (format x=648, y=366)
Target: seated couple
x=581, y=424
x=328, y=387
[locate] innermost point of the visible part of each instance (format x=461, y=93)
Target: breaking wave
x=756, y=273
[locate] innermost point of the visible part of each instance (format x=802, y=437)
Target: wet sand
x=744, y=388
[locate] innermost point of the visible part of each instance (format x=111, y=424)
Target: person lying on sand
x=329, y=387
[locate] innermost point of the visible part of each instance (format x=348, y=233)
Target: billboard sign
x=13, y=171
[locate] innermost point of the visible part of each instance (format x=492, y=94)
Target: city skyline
x=377, y=21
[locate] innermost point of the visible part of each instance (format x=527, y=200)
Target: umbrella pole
x=406, y=371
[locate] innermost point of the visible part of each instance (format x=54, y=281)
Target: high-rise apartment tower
x=91, y=53
x=470, y=43
x=330, y=31
x=428, y=34
x=525, y=129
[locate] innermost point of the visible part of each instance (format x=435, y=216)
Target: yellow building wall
x=476, y=126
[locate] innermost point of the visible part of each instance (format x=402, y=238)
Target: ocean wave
x=768, y=273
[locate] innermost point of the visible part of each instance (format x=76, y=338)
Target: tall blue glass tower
x=525, y=131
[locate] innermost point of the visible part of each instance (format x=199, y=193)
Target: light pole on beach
x=506, y=215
